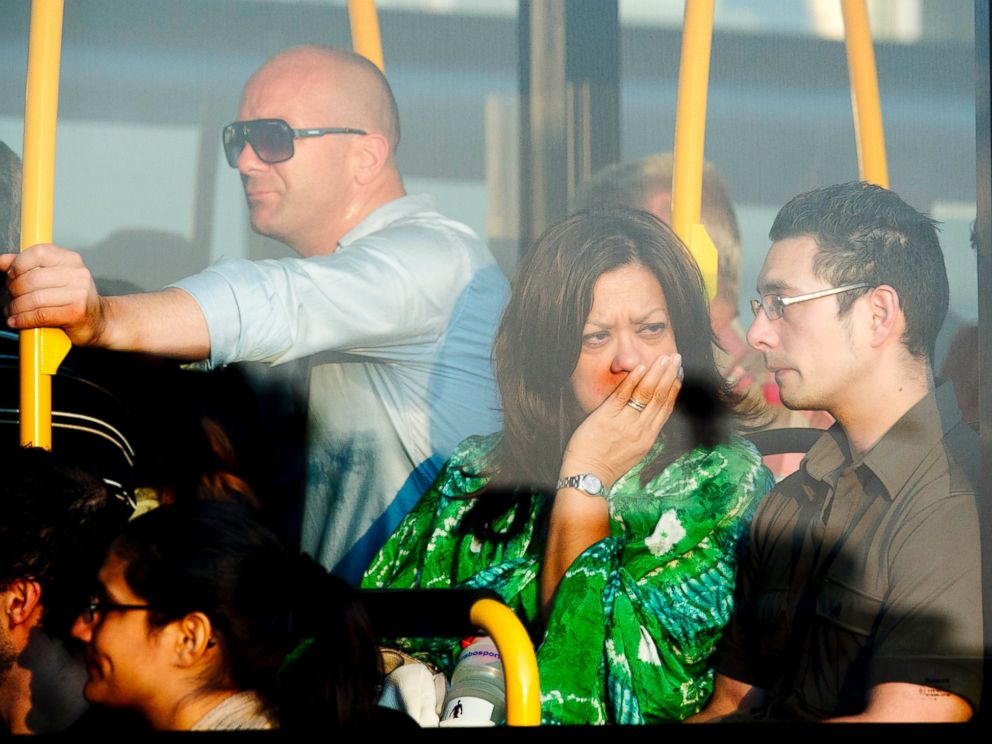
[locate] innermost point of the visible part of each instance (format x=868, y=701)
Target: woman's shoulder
x=735, y=456
x=478, y=449
x=741, y=452
x=471, y=464
x=734, y=469
x=728, y=478
x=241, y=711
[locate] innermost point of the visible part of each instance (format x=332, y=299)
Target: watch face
x=591, y=484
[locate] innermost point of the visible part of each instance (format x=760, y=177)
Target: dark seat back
x=90, y=425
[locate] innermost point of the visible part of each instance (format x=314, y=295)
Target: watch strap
x=586, y=482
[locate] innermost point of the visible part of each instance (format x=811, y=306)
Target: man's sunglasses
x=271, y=139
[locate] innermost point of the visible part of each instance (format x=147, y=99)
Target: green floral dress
x=636, y=616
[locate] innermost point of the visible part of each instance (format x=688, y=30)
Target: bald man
x=394, y=305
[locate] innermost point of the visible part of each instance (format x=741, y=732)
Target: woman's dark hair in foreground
x=288, y=630
x=540, y=337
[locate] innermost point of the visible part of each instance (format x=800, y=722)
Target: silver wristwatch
x=586, y=482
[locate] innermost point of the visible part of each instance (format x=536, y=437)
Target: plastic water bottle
x=477, y=696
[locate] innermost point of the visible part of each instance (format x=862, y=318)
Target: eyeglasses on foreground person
x=204, y=621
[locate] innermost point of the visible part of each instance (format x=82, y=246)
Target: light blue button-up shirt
x=398, y=323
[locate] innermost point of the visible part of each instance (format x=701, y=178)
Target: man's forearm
x=50, y=287
x=900, y=702
x=169, y=323
x=729, y=696
x=715, y=709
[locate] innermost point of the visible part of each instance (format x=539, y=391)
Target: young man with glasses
x=394, y=305
x=860, y=598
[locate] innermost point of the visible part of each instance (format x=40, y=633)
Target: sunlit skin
x=818, y=357
x=628, y=353
x=161, y=672
x=826, y=361
x=124, y=655
x=628, y=325
x=41, y=682
x=327, y=187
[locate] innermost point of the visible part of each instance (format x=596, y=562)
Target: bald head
x=332, y=180
x=344, y=89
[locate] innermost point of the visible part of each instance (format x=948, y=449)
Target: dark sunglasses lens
x=234, y=143
x=271, y=140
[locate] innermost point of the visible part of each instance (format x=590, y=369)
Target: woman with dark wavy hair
x=607, y=512
x=204, y=621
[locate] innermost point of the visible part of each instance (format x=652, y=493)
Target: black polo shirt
x=860, y=573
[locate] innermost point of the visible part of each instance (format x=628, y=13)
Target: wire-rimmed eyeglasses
x=774, y=305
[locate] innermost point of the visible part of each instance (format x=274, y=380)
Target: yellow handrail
x=365, y=37
x=868, y=131
x=690, y=134
x=523, y=686
x=41, y=350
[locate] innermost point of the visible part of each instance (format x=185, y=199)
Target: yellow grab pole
x=365, y=38
x=523, y=686
x=868, y=131
x=690, y=133
x=42, y=350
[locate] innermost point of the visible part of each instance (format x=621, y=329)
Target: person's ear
x=21, y=603
x=372, y=153
x=193, y=639
x=886, y=315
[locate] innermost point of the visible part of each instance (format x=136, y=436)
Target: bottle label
x=481, y=653
x=466, y=708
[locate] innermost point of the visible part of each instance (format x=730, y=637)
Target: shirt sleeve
x=930, y=630
x=378, y=297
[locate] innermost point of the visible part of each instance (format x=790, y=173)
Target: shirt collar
x=387, y=214
x=827, y=454
x=893, y=459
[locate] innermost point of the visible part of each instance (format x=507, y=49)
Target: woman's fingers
x=654, y=386
x=627, y=386
x=666, y=393
x=614, y=437
x=653, y=399
x=638, y=392
x=670, y=379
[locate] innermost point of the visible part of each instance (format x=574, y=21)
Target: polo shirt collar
x=387, y=214
x=896, y=455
